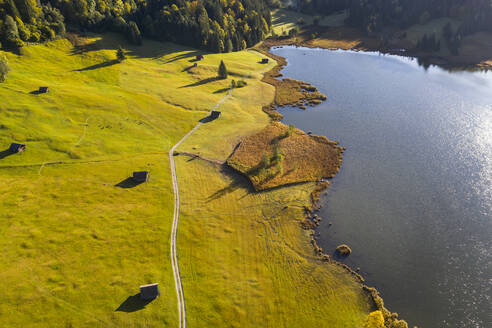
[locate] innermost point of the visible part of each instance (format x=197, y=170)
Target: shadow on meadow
x=149, y=48
x=201, y=82
x=238, y=182
x=5, y=153
x=96, y=66
x=132, y=304
x=128, y=183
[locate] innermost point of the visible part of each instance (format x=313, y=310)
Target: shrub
x=241, y=83
x=4, y=68
x=293, y=31
x=291, y=130
x=344, y=250
x=35, y=37
x=47, y=33
x=120, y=54
x=374, y=320
x=222, y=70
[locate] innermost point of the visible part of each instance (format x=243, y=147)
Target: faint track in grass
x=174, y=256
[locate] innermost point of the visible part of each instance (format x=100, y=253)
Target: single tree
x=4, y=68
x=222, y=70
x=134, y=34
x=11, y=33
x=120, y=54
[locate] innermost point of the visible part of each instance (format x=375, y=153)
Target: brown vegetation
x=390, y=319
x=280, y=155
x=344, y=250
x=288, y=91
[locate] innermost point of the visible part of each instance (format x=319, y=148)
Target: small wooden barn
x=141, y=176
x=199, y=57
x=214, y=114
x=43, y=90
x=264, y=61
x=149, y=292
x=17, y=147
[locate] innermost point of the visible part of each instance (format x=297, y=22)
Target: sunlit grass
x=75, y=247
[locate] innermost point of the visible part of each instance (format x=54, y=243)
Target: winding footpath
x=174, y=255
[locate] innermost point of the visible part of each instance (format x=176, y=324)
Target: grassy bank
x=76, y=247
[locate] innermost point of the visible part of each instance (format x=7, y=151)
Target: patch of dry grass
x=280, y=155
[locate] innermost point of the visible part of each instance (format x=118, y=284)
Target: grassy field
x=75, y=247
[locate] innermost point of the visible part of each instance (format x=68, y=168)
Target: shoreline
x=310, y=221
x=346, y=38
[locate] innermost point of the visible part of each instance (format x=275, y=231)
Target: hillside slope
x=76, y=247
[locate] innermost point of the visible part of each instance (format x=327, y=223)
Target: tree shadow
x=97, y=66
x=112, y=41
x=184, y=56
x=238, y=181
x=222, y=90
x=201, y=82
x=186, y=69
x=132, y=304
x=128, y=183
x=5, y=153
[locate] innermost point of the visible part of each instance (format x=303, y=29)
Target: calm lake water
x=414, y=196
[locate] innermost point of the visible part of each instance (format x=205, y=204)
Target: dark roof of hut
x=149, y=292
x=214, y=114
x=43, y=89
x=17, y=147
x=141, y=176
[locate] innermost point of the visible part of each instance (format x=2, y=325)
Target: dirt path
x=174, y=256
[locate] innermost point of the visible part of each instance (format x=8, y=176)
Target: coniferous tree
x=10, y=33
x=216, y=25
x=134, y=34
x=4, y=68
x=222, y=70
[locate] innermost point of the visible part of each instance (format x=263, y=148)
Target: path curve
x=174, y=255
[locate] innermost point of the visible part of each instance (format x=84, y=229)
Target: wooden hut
x=199, y=57
x=141, y=176
x=149, y=292
x=214, y=114
x=17, y=147
x=264, y=61
x=43, y=90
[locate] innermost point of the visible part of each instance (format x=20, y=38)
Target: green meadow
x=75, y=247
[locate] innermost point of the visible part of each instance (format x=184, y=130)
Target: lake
x=413, y=198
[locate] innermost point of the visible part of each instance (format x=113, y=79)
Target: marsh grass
x=293, y=157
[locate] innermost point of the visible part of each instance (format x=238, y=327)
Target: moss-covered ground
x=75, y=246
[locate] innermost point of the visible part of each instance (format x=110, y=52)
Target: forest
x=374, y=15
x=215, y=25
